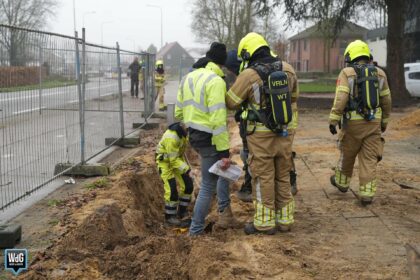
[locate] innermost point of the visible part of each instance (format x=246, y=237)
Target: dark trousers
x=134, y=82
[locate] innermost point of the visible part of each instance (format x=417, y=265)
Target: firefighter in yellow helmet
x=160, y=84
x=269, y=87
x=362, y=108
x=173, y=168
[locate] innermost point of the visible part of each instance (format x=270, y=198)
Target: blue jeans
x=209, y=183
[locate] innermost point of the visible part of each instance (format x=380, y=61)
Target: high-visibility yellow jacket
x=159, y=79
x=171, y=147
x=201, y=103
x=345, y=87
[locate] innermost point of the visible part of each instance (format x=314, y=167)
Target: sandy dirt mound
x=409, y=121
x=118, y=233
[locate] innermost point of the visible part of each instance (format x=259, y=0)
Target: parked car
x=412, y=78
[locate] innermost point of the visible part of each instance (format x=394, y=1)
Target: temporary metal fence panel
x=59, y=99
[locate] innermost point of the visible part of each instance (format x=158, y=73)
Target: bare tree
x=280, y=46
x=32, y=14
x=152, y=49
x=228, y=21
x=343, y=10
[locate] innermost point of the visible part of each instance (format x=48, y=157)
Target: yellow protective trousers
x=160, y=90
x=362, y=139
x=172, y=173
x=270, y=162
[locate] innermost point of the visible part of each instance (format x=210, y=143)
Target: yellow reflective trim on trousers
x=341, y=179
x=264, y=216
x=234, y=97
x=342, y=89
x=368, y=189
x=385, y=92
x=335, y=117
x=286, y=119
x=285, y=216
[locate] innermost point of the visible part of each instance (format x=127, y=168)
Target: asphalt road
x=33, y=141
x=15, y=103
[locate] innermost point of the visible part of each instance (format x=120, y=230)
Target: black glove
x=333, y=129
x=238, y=114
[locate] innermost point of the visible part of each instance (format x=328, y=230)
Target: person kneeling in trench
x=173, y=168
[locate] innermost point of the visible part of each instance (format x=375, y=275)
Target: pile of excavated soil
x=120, y=233
x=409, y=121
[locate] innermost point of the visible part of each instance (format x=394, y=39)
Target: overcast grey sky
x=131, y=20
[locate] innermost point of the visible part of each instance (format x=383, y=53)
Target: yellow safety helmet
x=249, y=44
x=159, y=62
x=356, y=49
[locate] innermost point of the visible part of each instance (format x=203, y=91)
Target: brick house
x=306, y=52
x=175, y=58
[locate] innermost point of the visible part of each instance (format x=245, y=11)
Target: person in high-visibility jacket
x=270, y=155
x=360, y=134
x=201, y=106
x=173, y=168
x=160, y=84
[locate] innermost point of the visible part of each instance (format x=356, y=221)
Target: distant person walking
x=135, y=68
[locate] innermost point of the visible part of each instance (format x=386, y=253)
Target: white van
x=412, y=78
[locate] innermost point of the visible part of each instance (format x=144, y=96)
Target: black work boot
x=293, y=182
x=182, y=212
x=251, y=229
x=365, y=200
x=340, y=188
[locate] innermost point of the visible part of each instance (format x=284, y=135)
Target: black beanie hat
x=217, y=53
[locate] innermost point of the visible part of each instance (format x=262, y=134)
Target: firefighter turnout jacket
x=247, y=88
x=346, y=89
x=359, y=137
x=270, y=155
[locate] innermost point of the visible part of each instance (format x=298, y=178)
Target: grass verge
x=53, y=83
x=317, y=87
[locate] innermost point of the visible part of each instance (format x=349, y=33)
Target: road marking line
x=27, y=111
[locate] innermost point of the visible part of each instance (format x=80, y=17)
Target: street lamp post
x=161, y=22
x=74, y=14
x=85, y=14
x=100, y=61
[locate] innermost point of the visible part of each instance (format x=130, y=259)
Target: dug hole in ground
x=115, y=231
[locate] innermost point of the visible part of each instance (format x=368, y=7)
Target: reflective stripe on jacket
x=345, y=87
x=171, y=146
x=201, y=103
